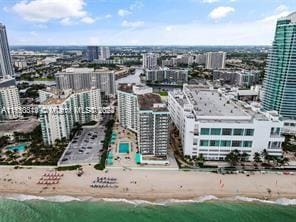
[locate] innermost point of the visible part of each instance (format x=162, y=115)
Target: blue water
x=123, y=147
x=18, y=148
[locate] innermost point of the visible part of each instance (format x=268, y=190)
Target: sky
x=142, y=22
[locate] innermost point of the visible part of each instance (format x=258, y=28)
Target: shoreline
x=283, y=201
x=151, y=186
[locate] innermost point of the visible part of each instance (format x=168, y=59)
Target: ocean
x=66, y=209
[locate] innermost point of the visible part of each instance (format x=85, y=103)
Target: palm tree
x=245, y=157
x=283, y=161
x=257, y=157
x=200, y=160
x=232, y=157
x=265, y=155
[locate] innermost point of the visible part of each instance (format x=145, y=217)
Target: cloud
x=132, y=25
x=43, y=11
x=279, y=12
x=108, y=16
x=87, y=20
x=221, y=12
x=253, y=32
x=210, y=1
x=136, y=5
x=169, y=28
x=66, y=21
x=123, y=12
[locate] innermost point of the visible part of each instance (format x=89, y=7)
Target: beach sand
x=151, y=185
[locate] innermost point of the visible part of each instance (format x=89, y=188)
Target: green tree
x=257, y=157
x=233, y=157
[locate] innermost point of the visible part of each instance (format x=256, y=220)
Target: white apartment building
x=241, y=78
x=167, y=76
x=61, y=110
x=10, y=106
x=142, y=112
x=212, y=124
x=86, y=78
x=149, y=61
x=153, y=125
x=127, y=97
x=215, y=60
x=105, y=53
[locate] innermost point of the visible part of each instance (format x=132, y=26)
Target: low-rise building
x=213, y=125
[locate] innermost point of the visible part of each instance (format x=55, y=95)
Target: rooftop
x=74, y=70
x=212, y=103
x=149, y=101
x=209, y=103
x=59, y=96
x=125, y=87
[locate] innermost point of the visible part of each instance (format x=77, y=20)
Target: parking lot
x=85, y=147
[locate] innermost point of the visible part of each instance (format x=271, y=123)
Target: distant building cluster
x=211, y=60
x=95, y=53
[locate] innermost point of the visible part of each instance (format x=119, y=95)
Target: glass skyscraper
x=6, y=68
x=280, y=79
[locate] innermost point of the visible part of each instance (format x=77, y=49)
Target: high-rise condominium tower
x=215, y=60
x=92, y=53
x=280, y=78
x=105, y=53
x=6, y=68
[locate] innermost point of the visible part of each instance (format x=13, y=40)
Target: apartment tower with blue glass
x=280, y=79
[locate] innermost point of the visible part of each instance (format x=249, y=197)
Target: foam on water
x=201, y=199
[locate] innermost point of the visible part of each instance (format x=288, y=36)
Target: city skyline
x=131, y=22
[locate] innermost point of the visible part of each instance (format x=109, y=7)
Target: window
x=249, y=132
x=275, y=131
x=248, y=143
x=215, y=131
x=236, y=143
x=238, y=132
x=205, y=131
x=204, y=143
x=195, y=142
x=214, y=143
x=226, y=132
x=225, y=143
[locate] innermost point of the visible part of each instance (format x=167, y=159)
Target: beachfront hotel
x=142, y=112
x=60, y=110
x=86, y=78
x=213, y=124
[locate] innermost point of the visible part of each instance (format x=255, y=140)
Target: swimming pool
x=17, y=148
x=124, y=147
